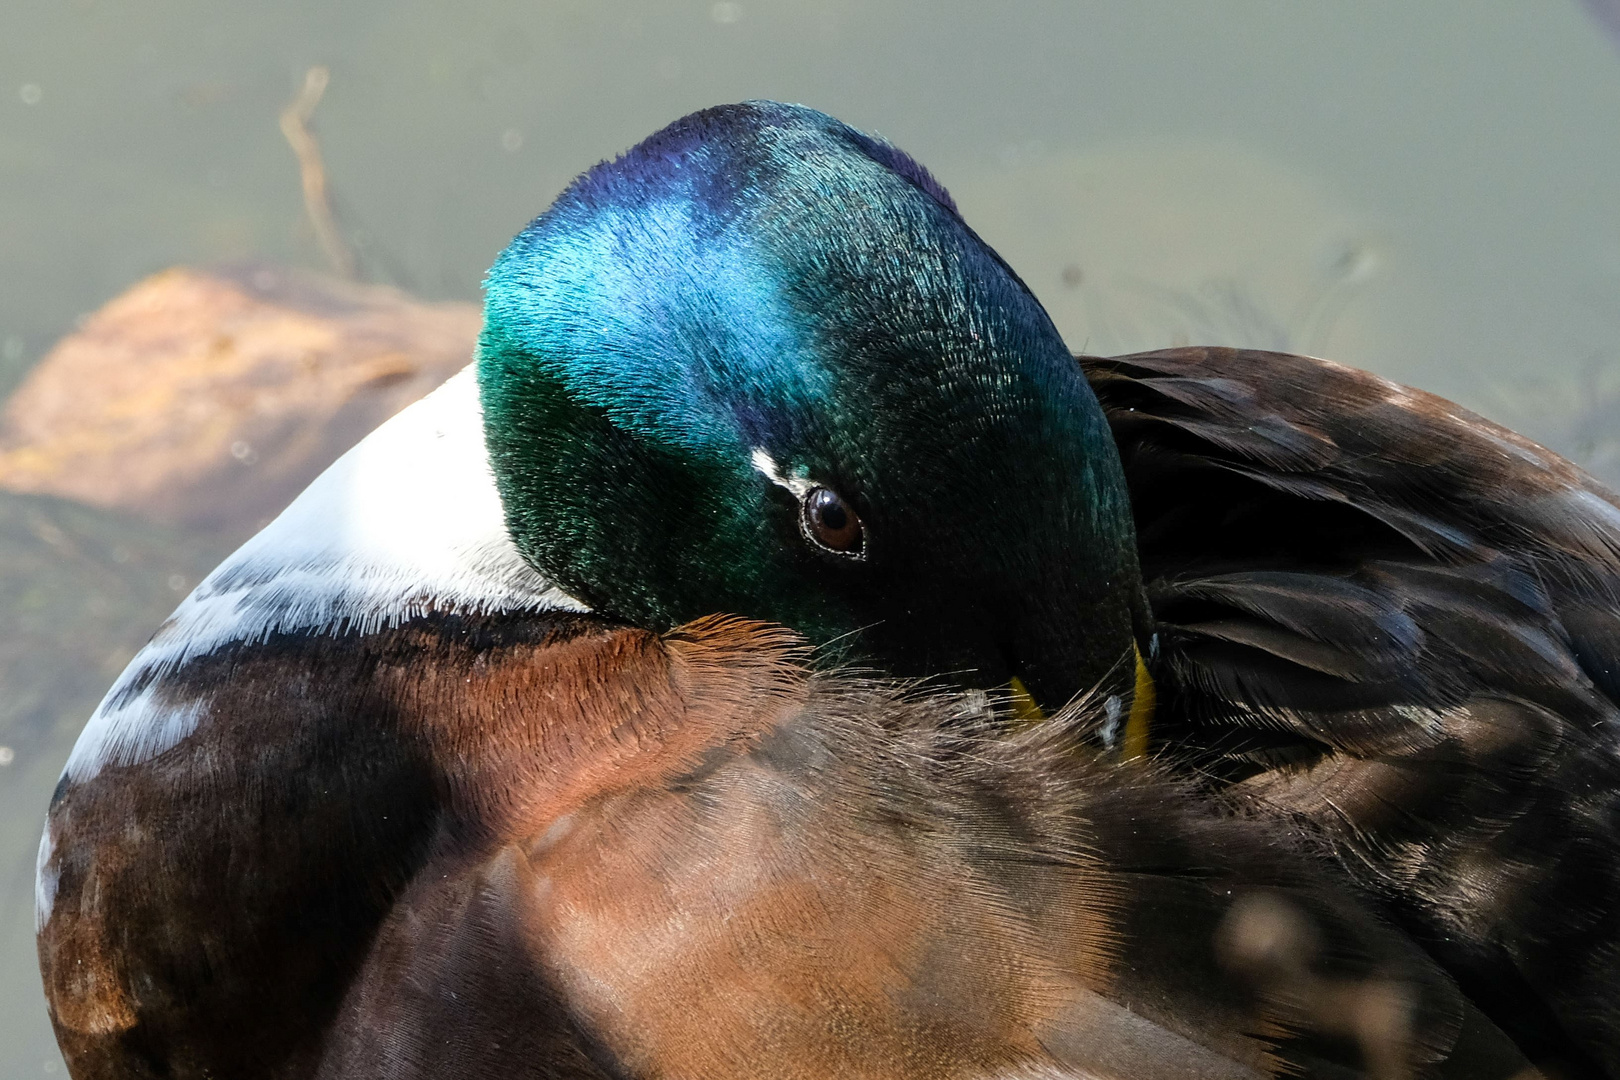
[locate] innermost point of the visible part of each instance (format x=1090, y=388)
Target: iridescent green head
x=760, y=365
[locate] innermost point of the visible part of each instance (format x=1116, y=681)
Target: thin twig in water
x=295, y=126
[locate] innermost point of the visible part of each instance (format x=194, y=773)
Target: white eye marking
x=766, y=465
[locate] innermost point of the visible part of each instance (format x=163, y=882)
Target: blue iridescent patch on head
x=644, y=291
x=656, y=317
x=704, y=287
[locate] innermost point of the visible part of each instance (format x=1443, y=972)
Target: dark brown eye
x=831, y=522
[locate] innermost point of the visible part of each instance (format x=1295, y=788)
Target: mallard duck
x=469, y=764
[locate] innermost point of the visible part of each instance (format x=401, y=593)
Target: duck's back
x=1401, y=623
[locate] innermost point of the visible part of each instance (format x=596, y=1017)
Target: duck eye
x=831, y=522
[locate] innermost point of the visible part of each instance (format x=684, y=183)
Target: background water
x=1430, y=191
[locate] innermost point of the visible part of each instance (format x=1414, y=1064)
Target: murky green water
x=1431, y=191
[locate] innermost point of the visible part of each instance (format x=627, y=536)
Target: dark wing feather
x=1390, y=617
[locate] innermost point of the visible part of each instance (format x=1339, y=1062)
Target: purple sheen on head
x=903, y=164
x=679, y=149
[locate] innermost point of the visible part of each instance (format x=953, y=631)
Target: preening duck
x=470, y=764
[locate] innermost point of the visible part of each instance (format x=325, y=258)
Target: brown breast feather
x=554, y=847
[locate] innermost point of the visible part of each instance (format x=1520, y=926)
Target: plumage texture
x=1398, y=621
x=349, y=826
x=760, y=278
x=679, y=855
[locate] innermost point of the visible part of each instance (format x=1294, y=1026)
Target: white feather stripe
x=408, y=522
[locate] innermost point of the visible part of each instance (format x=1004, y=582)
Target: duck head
x=759, y=365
